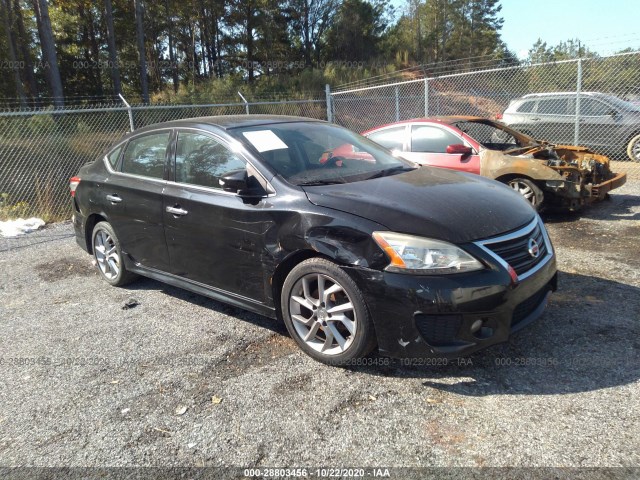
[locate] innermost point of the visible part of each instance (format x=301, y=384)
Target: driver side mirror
x=234, y=181
x=613, y=113
x=237, y=181
x=459, y=149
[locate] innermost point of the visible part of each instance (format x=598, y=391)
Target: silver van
x=607, y=124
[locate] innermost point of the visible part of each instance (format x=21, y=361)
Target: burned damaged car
x=315, y=225
x=544, y=174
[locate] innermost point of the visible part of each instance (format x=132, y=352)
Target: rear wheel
x=633, y=149
x=108, y=255
x=325, y=313
x=529, y=190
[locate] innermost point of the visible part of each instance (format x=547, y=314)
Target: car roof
x=226, y=122
x=553, y=94
x=445, y=119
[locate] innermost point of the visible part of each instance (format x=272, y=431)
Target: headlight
x=425, y=256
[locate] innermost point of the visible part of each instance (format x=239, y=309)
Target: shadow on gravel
x=616, y=207
x=588, y=339
x=206, y=302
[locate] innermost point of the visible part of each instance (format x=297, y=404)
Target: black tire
x=358, y=344
x=529, y=190
x=111, y=266
x=633, y=149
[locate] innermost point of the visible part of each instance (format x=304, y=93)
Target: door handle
x=535, y=119
x=114, y=198
x=179, y=212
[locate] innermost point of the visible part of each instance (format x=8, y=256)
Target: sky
x=605, y=26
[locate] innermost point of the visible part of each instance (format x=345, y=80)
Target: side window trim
x=225, y=143
x=170, y=169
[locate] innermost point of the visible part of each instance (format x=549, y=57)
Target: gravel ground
x=150, y=375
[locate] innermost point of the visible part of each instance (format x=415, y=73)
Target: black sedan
x=308, y=222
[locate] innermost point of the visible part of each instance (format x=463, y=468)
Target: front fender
x=495, y=164
x=346, y=245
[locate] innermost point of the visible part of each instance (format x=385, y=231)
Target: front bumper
x=599, y=192
x=432, y=316
x=573, y=196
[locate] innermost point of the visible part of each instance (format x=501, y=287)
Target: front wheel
x=529, y=191
x=633, y=149
x=108, y=255
x=325, y=313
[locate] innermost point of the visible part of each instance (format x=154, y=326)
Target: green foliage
x=307, y=83
x=540, y=52
x=356, y=31
x=207, y=49
x=42, y=124
x=10, y=210
x=442, y=30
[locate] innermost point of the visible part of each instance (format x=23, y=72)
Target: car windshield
x=621, y=104
x=314, y=153
x=492, y=136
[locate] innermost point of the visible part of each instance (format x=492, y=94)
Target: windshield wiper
x=327, y=181
x=389, y=171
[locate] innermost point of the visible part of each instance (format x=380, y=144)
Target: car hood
x=430, y=202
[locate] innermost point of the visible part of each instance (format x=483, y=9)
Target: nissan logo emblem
x=534, y=248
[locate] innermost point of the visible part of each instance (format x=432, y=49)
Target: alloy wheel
x=106, y=254
x=322, y=314
x=525, y=190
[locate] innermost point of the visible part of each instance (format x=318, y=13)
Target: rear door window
x=430, y=139
x=146, y=155
x=553, y=106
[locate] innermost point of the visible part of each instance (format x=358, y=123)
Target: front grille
x=516, y=251
x=438, y=330
x=527, y=307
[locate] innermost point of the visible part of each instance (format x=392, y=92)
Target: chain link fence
x=593, y=102
x=41, y=149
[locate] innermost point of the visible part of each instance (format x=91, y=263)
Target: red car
x=560, y=175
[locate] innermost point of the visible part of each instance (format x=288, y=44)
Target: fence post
x=246, y=104
x=397, y=105
x=327, y=92
x=576, y=133
x=426, y=97
x=128, y=110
